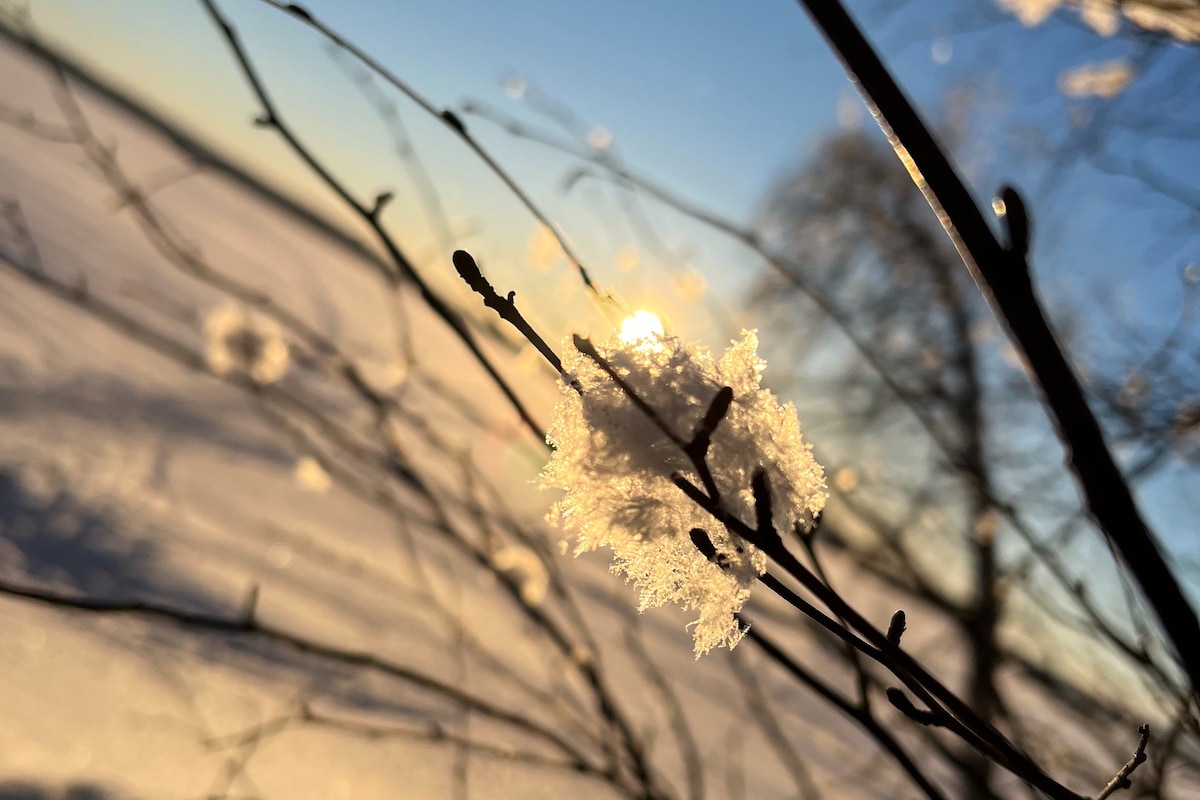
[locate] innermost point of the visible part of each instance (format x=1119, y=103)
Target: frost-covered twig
x=956, y=715
x=618, y=453
x=618, y=457
x=605, y=166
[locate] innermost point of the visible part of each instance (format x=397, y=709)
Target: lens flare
x=640, y=327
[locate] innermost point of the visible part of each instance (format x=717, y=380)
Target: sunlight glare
x=641, y=326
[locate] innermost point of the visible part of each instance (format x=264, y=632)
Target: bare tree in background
x=921, y=377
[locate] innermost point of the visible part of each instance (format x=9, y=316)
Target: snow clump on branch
x=616, y=468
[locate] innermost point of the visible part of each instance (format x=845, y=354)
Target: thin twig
x=468, y=270
x=860, y=715
x=1121, y=779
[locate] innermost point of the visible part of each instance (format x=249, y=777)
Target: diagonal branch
x=1004, y=278
x=1121, y=779
x=370, y=214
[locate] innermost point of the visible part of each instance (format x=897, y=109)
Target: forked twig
x=1121, y=779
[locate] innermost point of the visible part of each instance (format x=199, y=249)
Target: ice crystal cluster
x=615, y=467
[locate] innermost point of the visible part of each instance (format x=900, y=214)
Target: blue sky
x=712, y=98
x=692, y=67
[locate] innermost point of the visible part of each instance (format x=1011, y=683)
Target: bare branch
x=1121, y=779
x=1004, y=277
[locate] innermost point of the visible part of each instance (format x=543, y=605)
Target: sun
x=641, y=327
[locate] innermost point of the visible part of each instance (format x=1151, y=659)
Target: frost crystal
x=615, y=466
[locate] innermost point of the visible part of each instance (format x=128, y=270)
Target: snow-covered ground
x=130, y=472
